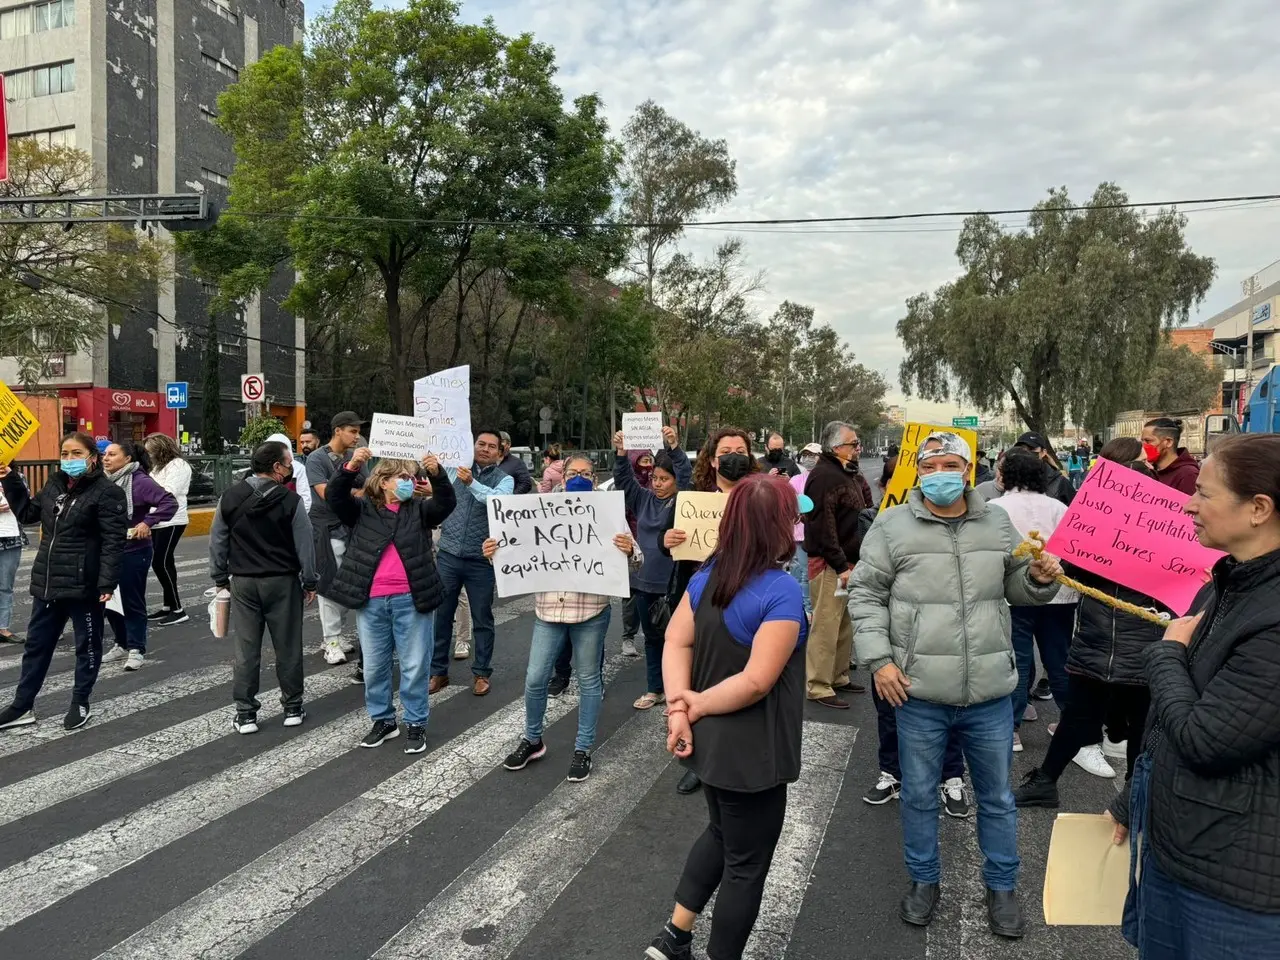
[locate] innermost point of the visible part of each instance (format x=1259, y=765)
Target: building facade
x=1229, y=330
x=134, y=83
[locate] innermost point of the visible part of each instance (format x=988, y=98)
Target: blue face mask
x=404, y=488
x=943, y=488
x=75, y=468
x=578, y=485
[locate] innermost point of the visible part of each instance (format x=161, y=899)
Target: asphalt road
x=157, y=832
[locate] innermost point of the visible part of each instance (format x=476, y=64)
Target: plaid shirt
x=569, y=606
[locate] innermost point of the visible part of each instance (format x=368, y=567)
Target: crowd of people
x=808, y=582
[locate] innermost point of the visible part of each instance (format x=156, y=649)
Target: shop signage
x=123, y=400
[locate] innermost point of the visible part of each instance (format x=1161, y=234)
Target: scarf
x=123, y=478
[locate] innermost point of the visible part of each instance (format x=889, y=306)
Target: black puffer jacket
x=1214, y=737
x=374, y=527
x=80, y=544
x=1110, y=645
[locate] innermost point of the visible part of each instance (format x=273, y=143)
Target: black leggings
x=162, y=564
x=1089, y=703
x=734, y=854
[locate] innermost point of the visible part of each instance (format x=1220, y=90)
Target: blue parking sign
x=175, y=395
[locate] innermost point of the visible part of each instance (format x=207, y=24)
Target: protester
x=775, y=460
x=308, y=443
x=1057, y=485
x=832, y=536
x=462, y=564
x=11, y=543
x=800, y=564
x=1105, y=672
x=330, y=534
x=261, y=548
x=890, y=465
x=993, y=489
x=389, y=575
x=1174, y=466
x=929, y=596
x=1204, y=803
x=982, y=472
x=642, y=469
x=734, y=671
x=652, y=507
x=83, y=518
x=299, y=483
x=514, y=466
x=722, y=463
x=553, y=469
x=148, y=503
x=173, y=473
x=1078, y=464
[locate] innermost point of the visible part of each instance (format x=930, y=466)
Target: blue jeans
x=654, y=640
x=135, y=565
x=475, y=575
x=588, y=643
x=9, y=562
x=800, y=570
x=390, y=624
x=1049, y=627
x=986, y=737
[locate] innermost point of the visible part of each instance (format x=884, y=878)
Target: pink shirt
x=390, y=579
x=797, y=484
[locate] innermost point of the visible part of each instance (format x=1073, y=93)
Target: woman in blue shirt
x=734, y=673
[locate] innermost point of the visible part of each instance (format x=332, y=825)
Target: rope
x=1033, y=547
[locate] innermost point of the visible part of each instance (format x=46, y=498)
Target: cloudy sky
x=886, y=106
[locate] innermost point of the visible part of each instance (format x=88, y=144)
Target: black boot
x=688, y=783
x=1037, y=790
x=919, y=902
x=1005, y=914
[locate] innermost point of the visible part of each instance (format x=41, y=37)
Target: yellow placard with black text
x=904, y=474
x=17, y=424
x=698, y=515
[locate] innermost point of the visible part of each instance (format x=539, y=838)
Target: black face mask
x=773, y=456
x=733, y=466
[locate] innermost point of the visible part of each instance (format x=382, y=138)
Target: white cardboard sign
x=443, y=402
x=400, y=438
x=642, y=431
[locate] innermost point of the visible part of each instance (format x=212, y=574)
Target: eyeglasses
x=577, y=473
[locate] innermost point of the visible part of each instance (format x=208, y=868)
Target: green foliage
x=211, y=394
x=1178, y=379
x=257, y=430
x=1062, y=317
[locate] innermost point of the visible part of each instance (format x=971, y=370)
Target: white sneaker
x=333, y=652
x=347, y=644
x=629, y=649
x=1119, y=751
x=115, y=654
x=1090, y=758
x=135, y=660
x=1017, y=742
x=461, y=650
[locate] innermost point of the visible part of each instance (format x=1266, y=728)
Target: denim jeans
x=654, y=640
x=887, y=729
x=564, y=660
x=588, y=642
x=131, y=626
x=475, y=575
x=393, y=624
x=9, y=562
x=986, y=737
x=800, y=570
x=1048, y=627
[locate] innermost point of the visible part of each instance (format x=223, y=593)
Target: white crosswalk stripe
x=67, y=679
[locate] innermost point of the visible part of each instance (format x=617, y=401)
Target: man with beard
x=775, y=459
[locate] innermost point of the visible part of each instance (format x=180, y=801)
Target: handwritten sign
x=401, y=438
x=904, y=474
x=17, y=424
x=1130, y=528
x=443, y=402
x=642, y=431
x=559, y=541
x=698, y=515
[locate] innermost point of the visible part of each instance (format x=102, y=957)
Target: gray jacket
x=933, y=597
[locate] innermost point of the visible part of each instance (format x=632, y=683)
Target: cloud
x=889, y=106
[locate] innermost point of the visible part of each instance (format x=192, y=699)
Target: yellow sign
x=698, y=515
x=904, y=474
x=17, y=424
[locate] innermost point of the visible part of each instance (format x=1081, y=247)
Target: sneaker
x=671, y=944
x=579, y=766
x=1042, y=691
x=358, y=675
x=173, y=619
x=1090, y=758
x=160, y=614
x=1117, y=751
x=1029, y=715
x=629, y=649
x=1053, y=728
x=887, y=788
x=953, y=801
x=293, y=716
x=245, y=722
x=380, y=733
x=415, y=738
x=136, y=659
x=1037, y=790
x=77, y=716
x=346, y=644
x=524, y=754
x=333, y=652
x=1017, y=742
x=115, y=654
x=11, y=717
x=461, y=650
x=557, y=686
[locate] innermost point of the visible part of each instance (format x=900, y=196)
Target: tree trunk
x=401, y=383
x=582, y=441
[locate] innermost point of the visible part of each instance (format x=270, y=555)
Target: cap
x=281, y=438
x=951, y=444
x=347, y=418
x=814, y=448
x=1033, y=440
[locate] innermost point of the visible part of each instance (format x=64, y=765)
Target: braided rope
x=1033, y=547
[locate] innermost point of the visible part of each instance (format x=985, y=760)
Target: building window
x=231, y=345
x=221, y=66
x=36, y=18
x=209, y=115
x=213, y=176
x=40, y=81
x=222, y=8
x=59, y=137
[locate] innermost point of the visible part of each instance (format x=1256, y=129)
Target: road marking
x=67, y=680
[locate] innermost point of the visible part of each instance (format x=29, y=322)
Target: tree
x=1178, y=380
x=211, y=399
x=670, y=173
x=54, y=280
x=256, y=431
x=1064, y=315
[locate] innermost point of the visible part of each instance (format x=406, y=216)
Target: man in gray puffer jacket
x=930, y=599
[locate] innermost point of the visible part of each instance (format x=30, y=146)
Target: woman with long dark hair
x=173, y=473
x=735, y=676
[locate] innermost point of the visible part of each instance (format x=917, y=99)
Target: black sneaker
x=246, y=721
x=886, y=788
x=382, y=731
x=953, y=801
x=178, y=616
x=11, y=717
x=415, y=738
x=557, y=686
x=159, y=614
x=293, y=716
x=579, y=766
x=1037, y=790
x=1004, y=914
x=1042, y=691
x=358, y=676
x=524, y=754
x=671, y=944
x=77, y=716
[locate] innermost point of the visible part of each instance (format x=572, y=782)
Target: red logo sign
x=122, y=400
x=251, y=387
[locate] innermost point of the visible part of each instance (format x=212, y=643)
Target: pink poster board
x=1131, y=529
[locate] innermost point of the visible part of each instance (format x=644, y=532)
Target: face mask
x=578, y=485
x=943, y=488
x=404, y=488
x=1151, y=452
x=773, y=456
x=75, y=468
x=808, y=463
x=733, y=466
